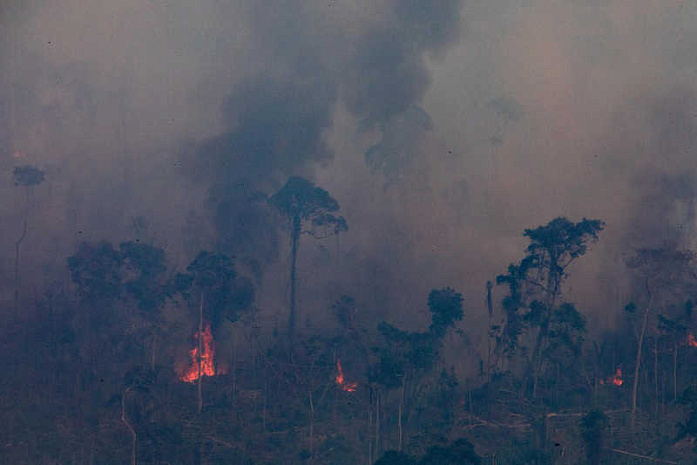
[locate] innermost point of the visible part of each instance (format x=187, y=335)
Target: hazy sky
x=443, y=129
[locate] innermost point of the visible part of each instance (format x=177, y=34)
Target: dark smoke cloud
x=388, y=77
x=275, y=127
x=277, y=119
x=387, y=74
x=399, y=144
x=178, y=112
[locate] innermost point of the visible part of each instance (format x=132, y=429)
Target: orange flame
x=691, y=340
x=191, y=373
x=617, y=378
x=341, y=381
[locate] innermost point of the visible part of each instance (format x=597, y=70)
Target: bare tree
x=665, y=272
x=27, y=176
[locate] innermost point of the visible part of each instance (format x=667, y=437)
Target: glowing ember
x=191, y=373
x=341, y=381
x=691, y=340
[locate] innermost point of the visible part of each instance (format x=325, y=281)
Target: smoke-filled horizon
x=443, y=129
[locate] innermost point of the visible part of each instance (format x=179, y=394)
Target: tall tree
x=213, y=283
x=145, y=266
x=96, y=271
x=131, y=276
x=535, y=284
x=674, y=331
x=665, y=273
x=27, y=176
x=407, y=356
x=305, y=204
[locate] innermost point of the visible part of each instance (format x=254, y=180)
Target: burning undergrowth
x=202, y=357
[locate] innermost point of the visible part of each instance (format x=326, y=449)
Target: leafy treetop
x=27, y=175
x=214, y=274
x=446, y=308
x=559, y=242
x=299, y=199
x=105, y=274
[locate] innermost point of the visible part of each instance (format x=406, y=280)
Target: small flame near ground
x=191, y=372
x=616, y=379
x=691, y=340
x=341, y=381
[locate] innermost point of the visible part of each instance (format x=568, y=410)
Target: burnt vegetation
x=348, y=232
x=138, y=362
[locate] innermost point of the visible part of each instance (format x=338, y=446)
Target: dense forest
x=355, y=232
x=133, y=362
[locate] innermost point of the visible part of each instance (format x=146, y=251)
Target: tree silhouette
x=674, y=331
x=226, y=293
x=145, y=266
x=221, y=294
x=27, y=176
x=446, y=308
x=105, y=275
x=534, y=285
x=593, y=429
x=96, y=271
x=665, y=272
x=409, y=356
x=305, y=204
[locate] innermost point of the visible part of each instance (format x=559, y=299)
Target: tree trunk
x=377, y=424
x=200, y=348
x=25, y=223
x=553, y=284
x=153, y=358
x=655, y=378
x=401, y=409
x=312, y=426
x=370, y=428
x=134, y=436
x=263, y=406
x=294, y=240
x=537, y=360
x=637, y=365
x=490, y=307
x=675, y=371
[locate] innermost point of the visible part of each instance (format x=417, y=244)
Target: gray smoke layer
x=442, y=128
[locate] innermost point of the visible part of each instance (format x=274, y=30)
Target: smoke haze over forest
x=165, y=164
x=443, y=129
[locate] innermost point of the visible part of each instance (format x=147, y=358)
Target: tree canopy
x=300, y=199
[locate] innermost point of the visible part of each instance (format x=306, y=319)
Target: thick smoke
x=165, y=120
x=388, y=78
x=277, y=119
x=276, y=129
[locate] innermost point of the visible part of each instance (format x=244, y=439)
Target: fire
x=341, y=381
x=691, y=341
x=191, y=373
x=617, y=378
